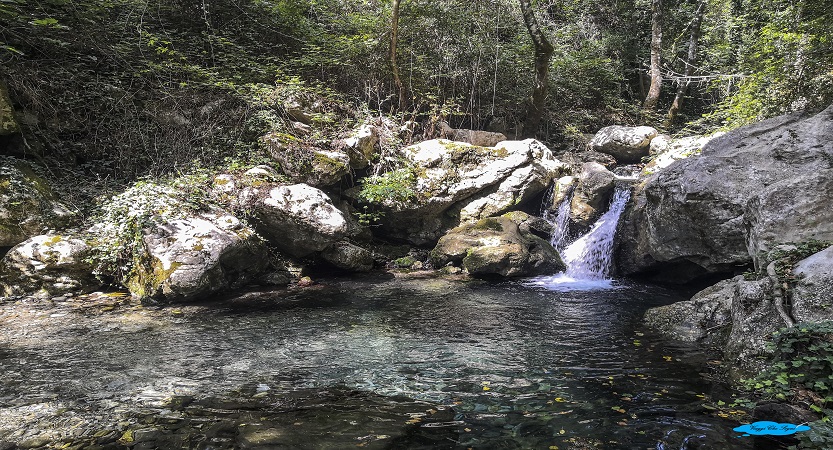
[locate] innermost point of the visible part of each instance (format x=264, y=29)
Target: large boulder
x=52, y=264
x=455, y=182
x=626, y=144
x=735, y=315
x=665, y=150
x=749, y=190
x=812, y=296
x=592, y=195
x=298, y=219
x=707, y=315
x=496, y=246
x=349, y=257
x=188, y=259
x=304, y=163
x=27, y=204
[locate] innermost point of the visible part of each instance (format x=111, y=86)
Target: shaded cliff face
x=750, y=190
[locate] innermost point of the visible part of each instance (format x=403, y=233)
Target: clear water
x=373, y=363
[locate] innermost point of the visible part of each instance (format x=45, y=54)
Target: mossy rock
x=8, y=123
x=27, y=203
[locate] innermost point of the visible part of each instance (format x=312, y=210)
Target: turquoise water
x=370, y=363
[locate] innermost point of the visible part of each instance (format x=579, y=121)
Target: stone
x=707, y=315
x=8, y=123
x=496, y=246
x=626, y=144
x=665, y=150
x=305, y=163
x=190, y=258
x=812, y=296
x=50, y=263
x=361, y=146
x=28, y=206
x=349, y=257
x=561, y=190
x=751, y=189
x=457, y=182
x=592, y=194
x=299, y=219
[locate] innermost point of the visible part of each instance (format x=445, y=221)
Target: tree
x=691, y=59
x=656, y=48
x=543, y=54
x=394, y=36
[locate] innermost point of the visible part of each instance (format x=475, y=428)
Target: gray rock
x=347, y=256
x=299, y=219
x=54, y=264
x=187, y=259
x=749, y=190
x=592, y=195
x=361, y=146
x=307, y=164
x=626, y=144
x=28, y=206
x=812, y=297
x=457, y=182
x=496, y=246
x=707, y=315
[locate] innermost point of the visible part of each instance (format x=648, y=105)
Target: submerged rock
x=626, y=144
x=496, y=246
x=28, y=206
x=751, y=189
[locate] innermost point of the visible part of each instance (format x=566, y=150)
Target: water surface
x=373, y=363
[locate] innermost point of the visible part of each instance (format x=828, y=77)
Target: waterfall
x=590, y=257
x=560, y=221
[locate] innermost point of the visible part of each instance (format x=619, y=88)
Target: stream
x=377, y=362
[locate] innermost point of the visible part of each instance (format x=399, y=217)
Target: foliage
x=803, y=361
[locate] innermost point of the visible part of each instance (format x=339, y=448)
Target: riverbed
x=383, y=362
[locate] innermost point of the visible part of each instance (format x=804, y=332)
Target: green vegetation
x=801, y=371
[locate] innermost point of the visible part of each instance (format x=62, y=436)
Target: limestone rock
x=626, y=144
x=707, y=315
x=749, y=190
x=457, y=182
x=496, y=246
x=188, y=259
x=361, y=146
x=27, y=203
x=299, y=219
x=349, y=257
x=666, y=150
x=592, y=194
x=812, y=298
x=52, y=263
x=307, y=164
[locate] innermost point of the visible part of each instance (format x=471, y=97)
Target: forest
x=416, y=224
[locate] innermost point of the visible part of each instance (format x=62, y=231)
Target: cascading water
x=560, y=222
x=588, y=258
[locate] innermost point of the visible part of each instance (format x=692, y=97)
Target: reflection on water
x=371, y=363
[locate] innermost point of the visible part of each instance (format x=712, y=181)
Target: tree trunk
x=656, y=48
x=543, y=54
x=691, y=59
x=394, y=36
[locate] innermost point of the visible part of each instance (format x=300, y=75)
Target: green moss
x=147, y=280
x=53, y=240
x=405, y=262
x=488, y=224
